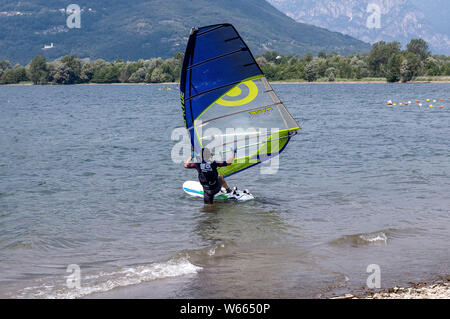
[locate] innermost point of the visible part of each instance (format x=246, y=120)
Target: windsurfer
x=208, y=176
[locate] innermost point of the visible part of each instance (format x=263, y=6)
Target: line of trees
x=385, y=60
x=73, y=70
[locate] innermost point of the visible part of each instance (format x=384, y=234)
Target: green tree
x=393, y=68
x=380, y=55
x=418, y=47
x=4, y=65
x=270, y=71
x=8, y=77
x=20, y=73
x=60, y=73
x=445, y=69
x=331, y=74
x=178, y=63
x=107, y=74
x=87, y=72
x=159, y=75
x=310, y=72
x=151, y=65
x=38, y=70
x=414, y=65
x=431, y=66
x=73, y=68
x=128, y=69
x=405, y=72
x=138, y=76
x=99, y=64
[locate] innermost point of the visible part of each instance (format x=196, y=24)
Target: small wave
x=203, y=255
x=364, y=239
x=105, y=281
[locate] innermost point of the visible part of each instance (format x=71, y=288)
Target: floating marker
x=400, y=103
x=406, y=103
x=441, y=100
x=428, y=100
x=395, y=104
x=417, y=101
x=431, y=105
x=441, y=106
x=420, y=104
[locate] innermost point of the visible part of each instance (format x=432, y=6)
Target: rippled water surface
x=86, y=178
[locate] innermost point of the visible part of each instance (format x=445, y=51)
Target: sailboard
x=227, y=103
x=195, y=189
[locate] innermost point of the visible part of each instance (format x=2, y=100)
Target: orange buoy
x=441, y=100
x=441, y=106
x=406, y=103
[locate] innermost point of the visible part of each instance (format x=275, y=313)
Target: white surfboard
x=194, y=188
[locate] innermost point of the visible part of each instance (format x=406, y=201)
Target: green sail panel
x=250, y=117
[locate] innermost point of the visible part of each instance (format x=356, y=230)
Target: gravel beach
x=421, y=290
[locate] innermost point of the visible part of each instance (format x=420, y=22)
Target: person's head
x=206, y=154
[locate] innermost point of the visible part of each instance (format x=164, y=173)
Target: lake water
x=86, y=178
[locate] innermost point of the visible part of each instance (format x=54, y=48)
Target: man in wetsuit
x=208, y=176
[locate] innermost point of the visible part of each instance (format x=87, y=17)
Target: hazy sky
x=438, y=11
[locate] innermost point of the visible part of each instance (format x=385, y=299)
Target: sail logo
x=183, y=107
x=261, y=111
x=237, y=92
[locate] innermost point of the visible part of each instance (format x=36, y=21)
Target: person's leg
x=224, y=184
x=208, y=197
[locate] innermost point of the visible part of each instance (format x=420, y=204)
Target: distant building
x=46, y=47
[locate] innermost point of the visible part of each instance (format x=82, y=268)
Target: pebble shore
x=421, y=290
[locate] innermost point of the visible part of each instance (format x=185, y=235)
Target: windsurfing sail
x=227, y=102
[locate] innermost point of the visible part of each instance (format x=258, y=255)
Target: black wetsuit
x=209, y=178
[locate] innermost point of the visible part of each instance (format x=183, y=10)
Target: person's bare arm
x=231, y=159
x=186, y=165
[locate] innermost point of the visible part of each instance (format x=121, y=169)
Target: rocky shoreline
x=422, y=290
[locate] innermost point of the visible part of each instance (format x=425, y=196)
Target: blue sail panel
x=216, y=59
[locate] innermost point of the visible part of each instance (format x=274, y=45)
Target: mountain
x=131, y=30
x=401, y=20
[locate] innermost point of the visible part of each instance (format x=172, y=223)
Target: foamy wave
x=105, y=281
x=212, y=250
x=362, y=239
x=377, y=237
